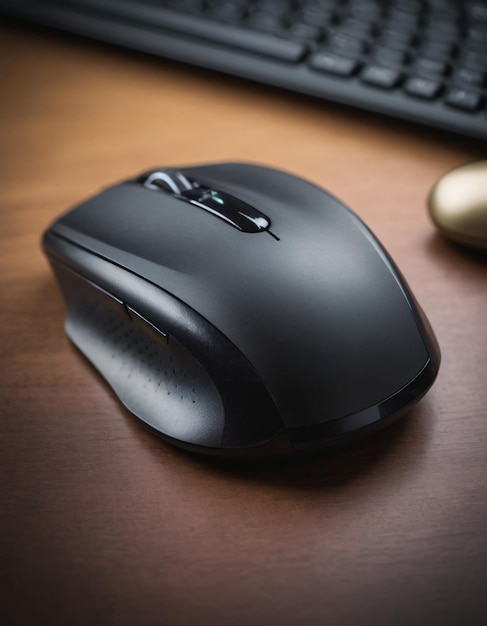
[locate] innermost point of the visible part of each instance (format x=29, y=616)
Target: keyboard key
x=464, y=99
x=232, y=11
x=389, y=57
x=366, y=11
x=410, y=8
x=301, y=31
x=267, y=22
x=474, y=60
x=395, y=39
x=437, y=50
x=476, y=37
x=357, y=28
x=430, y=67
x=478, y=12
x=383, y=77
x=316, y=14
x=332, y=63
x=271, y=6
x=424, y=88
x=399, y=18
x=467, y=78
x=448, y=11
x=347, y=45
x=192, y=6
x=442, y=31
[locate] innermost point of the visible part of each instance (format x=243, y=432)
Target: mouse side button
x=168, y=365
x=154, y=376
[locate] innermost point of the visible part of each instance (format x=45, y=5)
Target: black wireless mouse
x=239, y=310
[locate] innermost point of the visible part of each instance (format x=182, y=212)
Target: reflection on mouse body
x=458, y=204
x=239, y=310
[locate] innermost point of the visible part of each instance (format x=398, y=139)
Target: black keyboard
x=420, y=60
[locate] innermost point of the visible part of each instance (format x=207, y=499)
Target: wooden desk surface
x=103, y=523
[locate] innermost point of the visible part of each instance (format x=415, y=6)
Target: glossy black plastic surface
x=223, y=205
x=321, y=316
x=228, y=208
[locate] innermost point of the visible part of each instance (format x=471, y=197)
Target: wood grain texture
x=102, y=523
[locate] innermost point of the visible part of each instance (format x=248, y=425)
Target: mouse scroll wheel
x=170, y=181
x=223, y=205
x=232, y=210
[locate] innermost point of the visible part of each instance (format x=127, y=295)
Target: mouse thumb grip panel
x=177, y=373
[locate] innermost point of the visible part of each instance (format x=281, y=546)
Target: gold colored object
x=458, y=204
